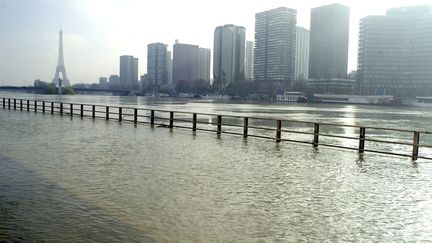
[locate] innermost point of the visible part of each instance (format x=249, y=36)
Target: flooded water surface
x=73, y=179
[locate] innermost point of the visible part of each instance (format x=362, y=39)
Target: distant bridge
x=77, y=89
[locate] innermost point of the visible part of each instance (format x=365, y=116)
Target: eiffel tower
x=60, y=66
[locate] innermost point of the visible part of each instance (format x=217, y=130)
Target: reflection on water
x=349, y=117
x=72, y=179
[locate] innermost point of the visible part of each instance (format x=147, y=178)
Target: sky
x=97, y=32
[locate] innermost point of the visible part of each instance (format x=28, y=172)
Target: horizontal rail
x=237, y=116
x=234, y=122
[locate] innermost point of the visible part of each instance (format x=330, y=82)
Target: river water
x=72, y=179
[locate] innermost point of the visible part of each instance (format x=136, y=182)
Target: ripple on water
x=94, y=180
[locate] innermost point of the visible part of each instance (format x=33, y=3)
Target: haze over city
x=96, y=33
x=215, y=121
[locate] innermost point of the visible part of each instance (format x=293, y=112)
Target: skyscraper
x=249, y=56
x=170, y=68
x=395, y=52
x=157, y=64
x=228, y=55
x=134, y=73
x=128, y=72
x=185, y=63
x=302, y=54
x=204, y=62
x=275, y=40
x=329, y=36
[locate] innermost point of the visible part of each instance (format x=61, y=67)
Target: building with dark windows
x=249, y=56
x=170, y=68
x=128, y=72
x=302, y=54
x=157, y=65
x=204, y=62
x=395, y=52
x=185, y=63
x=228, y=55
x=275, y=45
x=329, y=38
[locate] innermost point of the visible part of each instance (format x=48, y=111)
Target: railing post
x=278, y=131
x=28, y=105
x=219, y=124
x=135, y=115
x=107, y=113
x=71, y=109
x=43, y=106
x=316, y=135
x=61, y=109
x=4, y=103
x=120, y=114
x=14, y=104
x=93, y=111
x=416, y=141
x=82, y=111
x=152, y=117
x=35, y=106
x=245, y=127
x=9, y=104
x=52, y=107
x=21, y=104
x=171, y=122
x=194, y=122
x=362, y=139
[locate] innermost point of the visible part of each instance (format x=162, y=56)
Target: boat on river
x=356, y=99
x=291, y=97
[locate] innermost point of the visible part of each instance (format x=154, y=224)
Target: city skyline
x=96, y=33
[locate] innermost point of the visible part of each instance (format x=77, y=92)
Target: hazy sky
x=97, y=32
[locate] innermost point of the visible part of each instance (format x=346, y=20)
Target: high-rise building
x=329, y=37
x=114, y=81
x=302, y=54
x=103, y=82
x=135, y=74
x=170, y=68
x=143, y=83
x=128, y=72
x=228, y=55
x=275, y=42
x=395, y=52
x=204, y=62
x=249, y=56
x=157, y=64
x=185, y=63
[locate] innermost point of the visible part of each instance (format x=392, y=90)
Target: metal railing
x=237, y=125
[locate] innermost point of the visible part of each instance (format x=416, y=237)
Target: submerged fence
x=380, y=140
